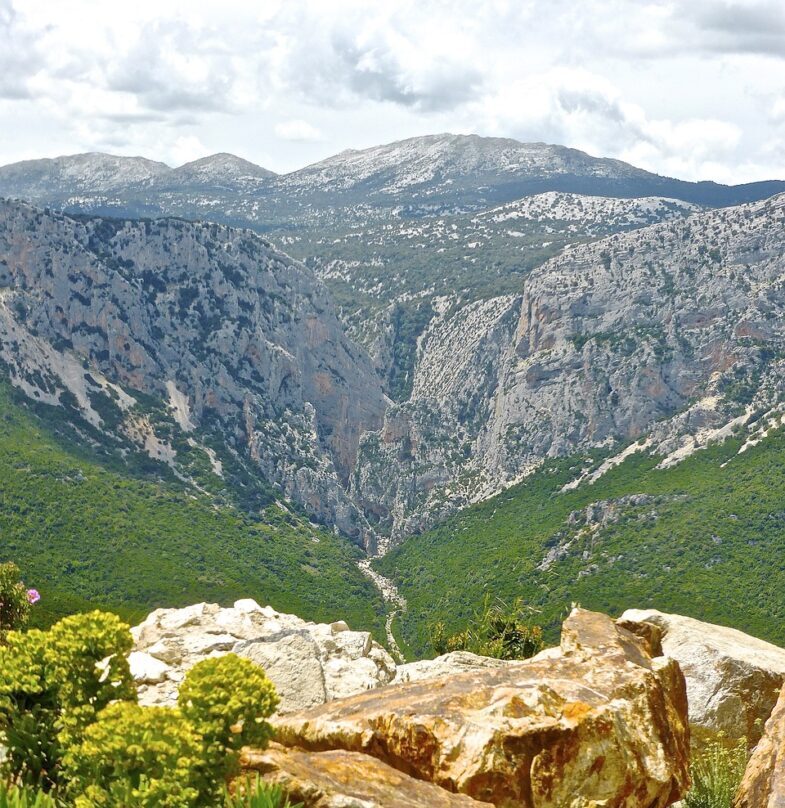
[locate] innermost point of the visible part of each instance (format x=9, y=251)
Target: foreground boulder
x=309, y=663
x=340, y=779
x=599, y=724
x=763, y=785
x=733, y=680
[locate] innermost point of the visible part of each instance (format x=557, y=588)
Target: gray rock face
x=212, y=320
x=679, y=323
x=733, y=680
x=309, y=663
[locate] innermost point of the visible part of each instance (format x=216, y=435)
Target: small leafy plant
x=136, y=756
x=52, y=686
x=717, y=770
x=498, y=630
x=257, y=794
x=227, y=699
x=15, y=599
x=24, y=797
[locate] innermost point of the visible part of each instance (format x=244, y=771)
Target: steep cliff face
x=680, y=321
x=236, y=338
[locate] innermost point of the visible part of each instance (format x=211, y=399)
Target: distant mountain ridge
x=417, y=176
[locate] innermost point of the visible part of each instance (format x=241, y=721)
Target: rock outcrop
x=763, y=785
x=733, y=680
x=602, y=723
x=309, y=663
x=340, y=779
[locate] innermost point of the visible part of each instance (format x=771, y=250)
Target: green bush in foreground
x=136, y=756
x=71, y=725
x=53, y=684
x=226, y=700
x=716, y=772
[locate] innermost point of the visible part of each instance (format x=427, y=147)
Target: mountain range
x=382, y=340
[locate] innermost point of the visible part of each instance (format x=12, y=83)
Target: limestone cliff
x=154, y=331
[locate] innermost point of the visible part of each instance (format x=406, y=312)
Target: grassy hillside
x=87, y=529
x=707, y=540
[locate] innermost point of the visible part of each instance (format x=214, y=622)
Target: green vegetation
x=715, y=523
x=24, y=797
x=72, y=728
x=88, y=529
x=497, y=630
x=716, y=771
x=15, y=599
x=257, y=794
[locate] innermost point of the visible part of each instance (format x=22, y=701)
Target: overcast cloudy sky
x=688, y=88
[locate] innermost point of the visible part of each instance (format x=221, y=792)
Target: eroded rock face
x=602, y=723
x=733, y=680
x=309, y=663
x=763, y=785
x=609, y=342
x=340, y=779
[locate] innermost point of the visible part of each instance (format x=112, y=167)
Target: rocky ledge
x=597, y=722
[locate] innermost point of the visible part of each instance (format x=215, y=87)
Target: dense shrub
x=226, y=699
x=28, y=710
x=716, y=772
x=15, y=599
x=497, y=630
x=53, y=684
x=143, y=757
x=136, y=756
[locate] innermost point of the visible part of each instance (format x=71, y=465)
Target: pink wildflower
x=33, y=596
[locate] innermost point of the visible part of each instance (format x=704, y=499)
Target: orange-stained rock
x=340, y=779
x=763, y=785
x=602, y=724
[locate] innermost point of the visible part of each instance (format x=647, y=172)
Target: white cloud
x=297, y=130
x=680, y=86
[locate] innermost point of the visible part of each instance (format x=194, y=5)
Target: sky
x=687, y=88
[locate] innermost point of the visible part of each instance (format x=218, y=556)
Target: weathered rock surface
x=733, y=680
x=601, y=724
x=763, y=785
x=309, y=663
x=445, y=665
x=340, y=779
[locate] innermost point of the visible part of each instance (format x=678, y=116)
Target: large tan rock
x=733, y=680
x=600, y=725
x=340, y=779
x=309, y=663
x=763, y=785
